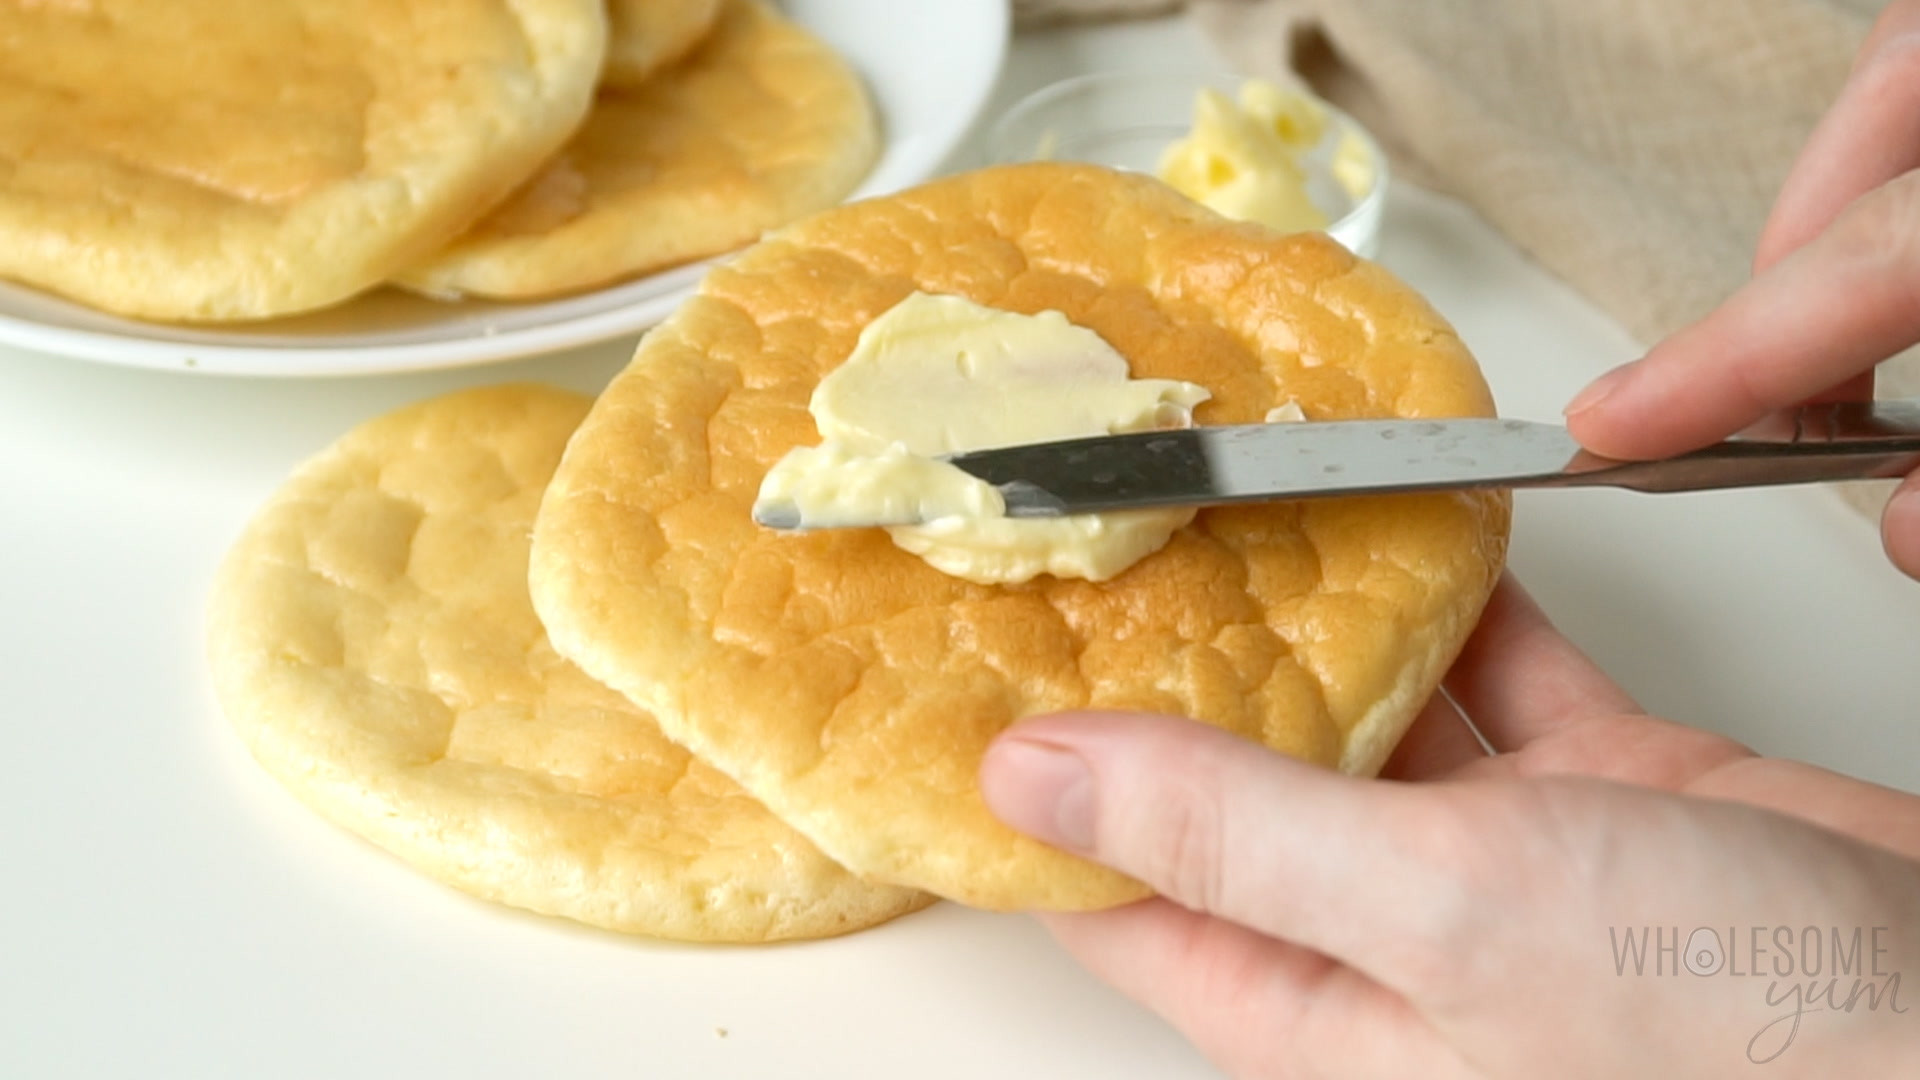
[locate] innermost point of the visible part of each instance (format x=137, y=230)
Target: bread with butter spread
x=852, y=687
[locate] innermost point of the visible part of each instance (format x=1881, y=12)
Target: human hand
x=1479, y=923
x=1836, y=290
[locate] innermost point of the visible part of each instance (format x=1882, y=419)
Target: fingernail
x=1043, y=790
x=1600, y=389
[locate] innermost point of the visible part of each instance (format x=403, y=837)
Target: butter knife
x=1213, y=466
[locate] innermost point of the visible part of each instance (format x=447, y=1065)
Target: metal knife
x=1213, y=466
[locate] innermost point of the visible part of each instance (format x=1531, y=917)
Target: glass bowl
x=1126, y=120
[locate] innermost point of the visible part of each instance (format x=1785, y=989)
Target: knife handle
x=1841, y=441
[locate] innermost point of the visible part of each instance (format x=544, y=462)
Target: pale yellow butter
x=833, y=485
x=1242, y=159
x=936, y=375
x=1245, y=159
x=1354, y=167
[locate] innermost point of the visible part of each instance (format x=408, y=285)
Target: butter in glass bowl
x=1247, y=148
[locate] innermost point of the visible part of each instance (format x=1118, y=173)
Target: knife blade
x=1219, y=465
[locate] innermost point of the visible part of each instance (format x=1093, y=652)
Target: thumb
x=1223, y=826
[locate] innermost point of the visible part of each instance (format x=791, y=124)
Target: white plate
x=929, y=64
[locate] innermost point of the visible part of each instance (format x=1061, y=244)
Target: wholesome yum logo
x=1810, y=969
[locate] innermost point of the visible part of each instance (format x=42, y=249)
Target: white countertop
x=169, y=912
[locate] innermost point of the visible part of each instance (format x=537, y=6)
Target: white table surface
x=168, y=912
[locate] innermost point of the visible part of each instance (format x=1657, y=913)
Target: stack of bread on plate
x=535, y=645
x=227, y=160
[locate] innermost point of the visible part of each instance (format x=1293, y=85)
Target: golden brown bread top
x=231, y=159
x=764, y=123
x=852, y=687
x=186, y=96
x=373, y=643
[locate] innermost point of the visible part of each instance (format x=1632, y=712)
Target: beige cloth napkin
x=1633, y=147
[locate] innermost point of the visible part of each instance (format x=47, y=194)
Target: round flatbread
x=760, y=126
x=373, y=643
x=647, y=35
x=231, y=159
x=852, y=687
